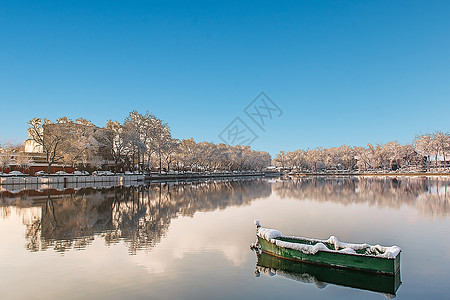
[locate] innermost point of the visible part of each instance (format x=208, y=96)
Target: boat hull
x=381, y=283
x=337, y=260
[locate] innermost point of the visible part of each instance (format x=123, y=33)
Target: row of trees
x=212, y=157
x=141, y=143
x=390, y=156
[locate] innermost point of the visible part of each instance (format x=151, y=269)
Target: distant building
x=32, y=147
x=440, y=160
x=36, y=151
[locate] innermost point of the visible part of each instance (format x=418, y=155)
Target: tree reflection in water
x=137, y=215
x=140, y=215
x=430, y=196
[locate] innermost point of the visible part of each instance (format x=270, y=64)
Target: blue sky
x=343, y=72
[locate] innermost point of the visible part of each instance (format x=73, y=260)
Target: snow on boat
x=331, y=252
x=321, y=276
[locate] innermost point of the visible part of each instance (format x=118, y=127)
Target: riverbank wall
x=67, y=181
x=18, y=183
x=187, y=176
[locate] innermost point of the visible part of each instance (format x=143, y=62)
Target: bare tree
x=424, y=145
x=442, y=144
x=5, y=159
x=23, y=160
x=281, y=159
x=117, y=141
x=169, y=150
x=161, y=140
x=52, y=137
x=82, y=142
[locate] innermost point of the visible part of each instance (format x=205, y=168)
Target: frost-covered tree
x=442, y=144
x=206, y=156
x=389, y=156
x=161, y=141
x=425, y=145
x=52, y=137
x=23, y=160
x=5, y=159
x=83, y=144
x=117, y=143
x=363, y=158
x=94, y=162
x=137, y=133
x=188, y=154
x=142, y=142
x=147, y=136
x=281, y=159
x=169, y=151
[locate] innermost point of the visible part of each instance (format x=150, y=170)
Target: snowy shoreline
x=118, y=179
x=68, y=179
x=427, y=174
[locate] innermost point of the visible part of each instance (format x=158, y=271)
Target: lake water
x=190, y=240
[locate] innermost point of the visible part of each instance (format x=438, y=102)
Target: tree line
x=427, y=151
x=142, y=142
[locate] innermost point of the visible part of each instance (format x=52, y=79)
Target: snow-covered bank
x=202, y=175
x=371, y=174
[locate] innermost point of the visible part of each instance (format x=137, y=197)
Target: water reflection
x=321, y=276
x=207, y=256
x=140, y=215
x=137, y=215
x=430, y=196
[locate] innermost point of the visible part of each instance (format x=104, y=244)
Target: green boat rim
x=332, y=245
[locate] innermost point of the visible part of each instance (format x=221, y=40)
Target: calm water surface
x=191, y=240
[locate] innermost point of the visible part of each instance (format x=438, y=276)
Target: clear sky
x=342, y=72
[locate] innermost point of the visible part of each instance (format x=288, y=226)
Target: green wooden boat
x=331, y=252
x=321, y=276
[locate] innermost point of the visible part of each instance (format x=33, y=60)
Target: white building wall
x=32, y=147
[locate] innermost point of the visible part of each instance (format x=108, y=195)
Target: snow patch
x=386, y=252
x=341, y=245
x=268, y=234
x=272, y=236
x=348, y=250
x=307, y=249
